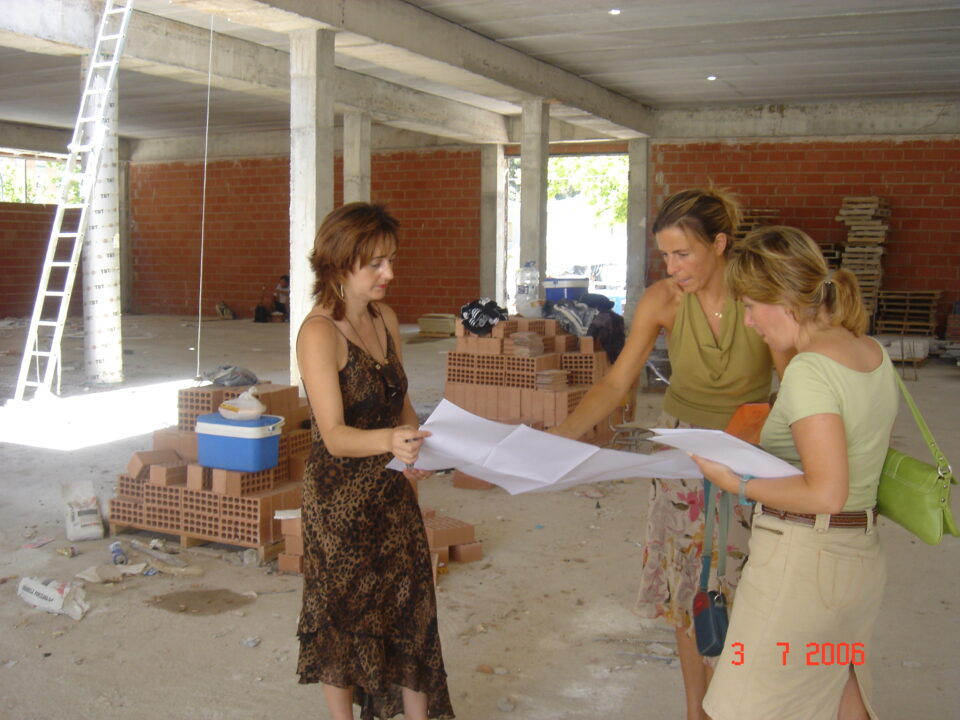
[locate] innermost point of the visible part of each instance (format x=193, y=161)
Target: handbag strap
x=943, y=467
x=709, y=495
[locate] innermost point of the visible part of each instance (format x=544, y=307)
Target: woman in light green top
x=800, y=631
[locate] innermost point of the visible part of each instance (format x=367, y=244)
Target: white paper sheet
x=520, y=459
x=740, y=456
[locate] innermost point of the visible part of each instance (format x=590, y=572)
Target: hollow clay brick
x=468, y=552
x=290, y=563
x=139, y=465
x=443, y=530
x=169, y=473
x=291, y=526
x=297, y=466
x=166, y=439
x=469, y=482
x=293, y=544
x=199, y=477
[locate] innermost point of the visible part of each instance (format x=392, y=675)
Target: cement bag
x=54, y=596
x=81, y=511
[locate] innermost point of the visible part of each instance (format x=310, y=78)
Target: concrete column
x=493, y=236
x=103, y=344
x=638, y=202
x=534, y=157
x=356, y=157
x=311, y=164
x=126, y=252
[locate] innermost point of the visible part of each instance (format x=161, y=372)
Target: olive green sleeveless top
x=711, y=378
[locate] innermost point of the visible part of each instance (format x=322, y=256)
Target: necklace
x=716, y=313
x=383, y=352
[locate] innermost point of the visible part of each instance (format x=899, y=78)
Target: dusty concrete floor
x=549, y=607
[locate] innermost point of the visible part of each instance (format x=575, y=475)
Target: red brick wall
x=435, y=196
x=806, y=182
x=246, y=235
x=24, y=234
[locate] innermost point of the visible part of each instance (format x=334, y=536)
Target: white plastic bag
x=246, y=406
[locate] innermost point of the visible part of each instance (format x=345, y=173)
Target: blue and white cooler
x=567, y=288
x=243, y=445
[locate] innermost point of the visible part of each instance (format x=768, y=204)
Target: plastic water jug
x=528, y=290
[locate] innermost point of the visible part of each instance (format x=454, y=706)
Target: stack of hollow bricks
x=291, y=559
x=484, y=379
x=450, y=539
x=166, y=489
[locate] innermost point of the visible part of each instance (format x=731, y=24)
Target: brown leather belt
x=853, y=519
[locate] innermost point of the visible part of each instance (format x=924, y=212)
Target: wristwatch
x=742, y=494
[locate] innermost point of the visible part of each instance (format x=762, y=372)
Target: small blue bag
x=710, y=606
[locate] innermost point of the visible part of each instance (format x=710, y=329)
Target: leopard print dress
x=369, y=615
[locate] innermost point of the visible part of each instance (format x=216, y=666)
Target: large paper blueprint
x=520, y=459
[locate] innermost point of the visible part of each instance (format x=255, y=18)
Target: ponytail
x=842, y=301
x=780, y=264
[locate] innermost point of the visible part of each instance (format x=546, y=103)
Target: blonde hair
x=703, y=213
x=783, y=265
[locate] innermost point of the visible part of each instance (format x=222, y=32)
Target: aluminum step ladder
x=41, y=355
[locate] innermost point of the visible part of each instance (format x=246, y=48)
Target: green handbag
x=916, y=494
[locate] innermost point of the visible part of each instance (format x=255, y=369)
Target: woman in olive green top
x=717, y=365
x=799, y=638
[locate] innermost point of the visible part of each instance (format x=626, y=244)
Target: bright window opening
x=586, y=223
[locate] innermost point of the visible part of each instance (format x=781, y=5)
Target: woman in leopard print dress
x=368, y=627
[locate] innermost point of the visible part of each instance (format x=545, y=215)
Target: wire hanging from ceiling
x=203, y=196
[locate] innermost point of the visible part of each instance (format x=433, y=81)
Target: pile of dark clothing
x=591, y=315
x=479, y=316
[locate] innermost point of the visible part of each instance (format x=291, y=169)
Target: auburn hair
x=349, y=236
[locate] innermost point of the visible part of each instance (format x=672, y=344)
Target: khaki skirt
x=805, y=611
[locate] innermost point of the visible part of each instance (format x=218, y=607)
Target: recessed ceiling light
x=614, y=11
x=711, y=78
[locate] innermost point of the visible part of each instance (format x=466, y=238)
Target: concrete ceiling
x=461, y=68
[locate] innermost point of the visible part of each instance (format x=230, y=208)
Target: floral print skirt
x=674, y=545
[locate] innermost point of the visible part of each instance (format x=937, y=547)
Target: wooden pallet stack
x=907, y=312
x=833, y=254
x=866, y=221
x=952, y=333
x=755, y=218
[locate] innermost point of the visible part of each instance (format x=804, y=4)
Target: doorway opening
x=586, y=224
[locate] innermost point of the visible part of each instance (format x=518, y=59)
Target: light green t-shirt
x=814, y=384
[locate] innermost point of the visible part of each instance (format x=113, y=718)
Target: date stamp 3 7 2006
x=816, y=653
